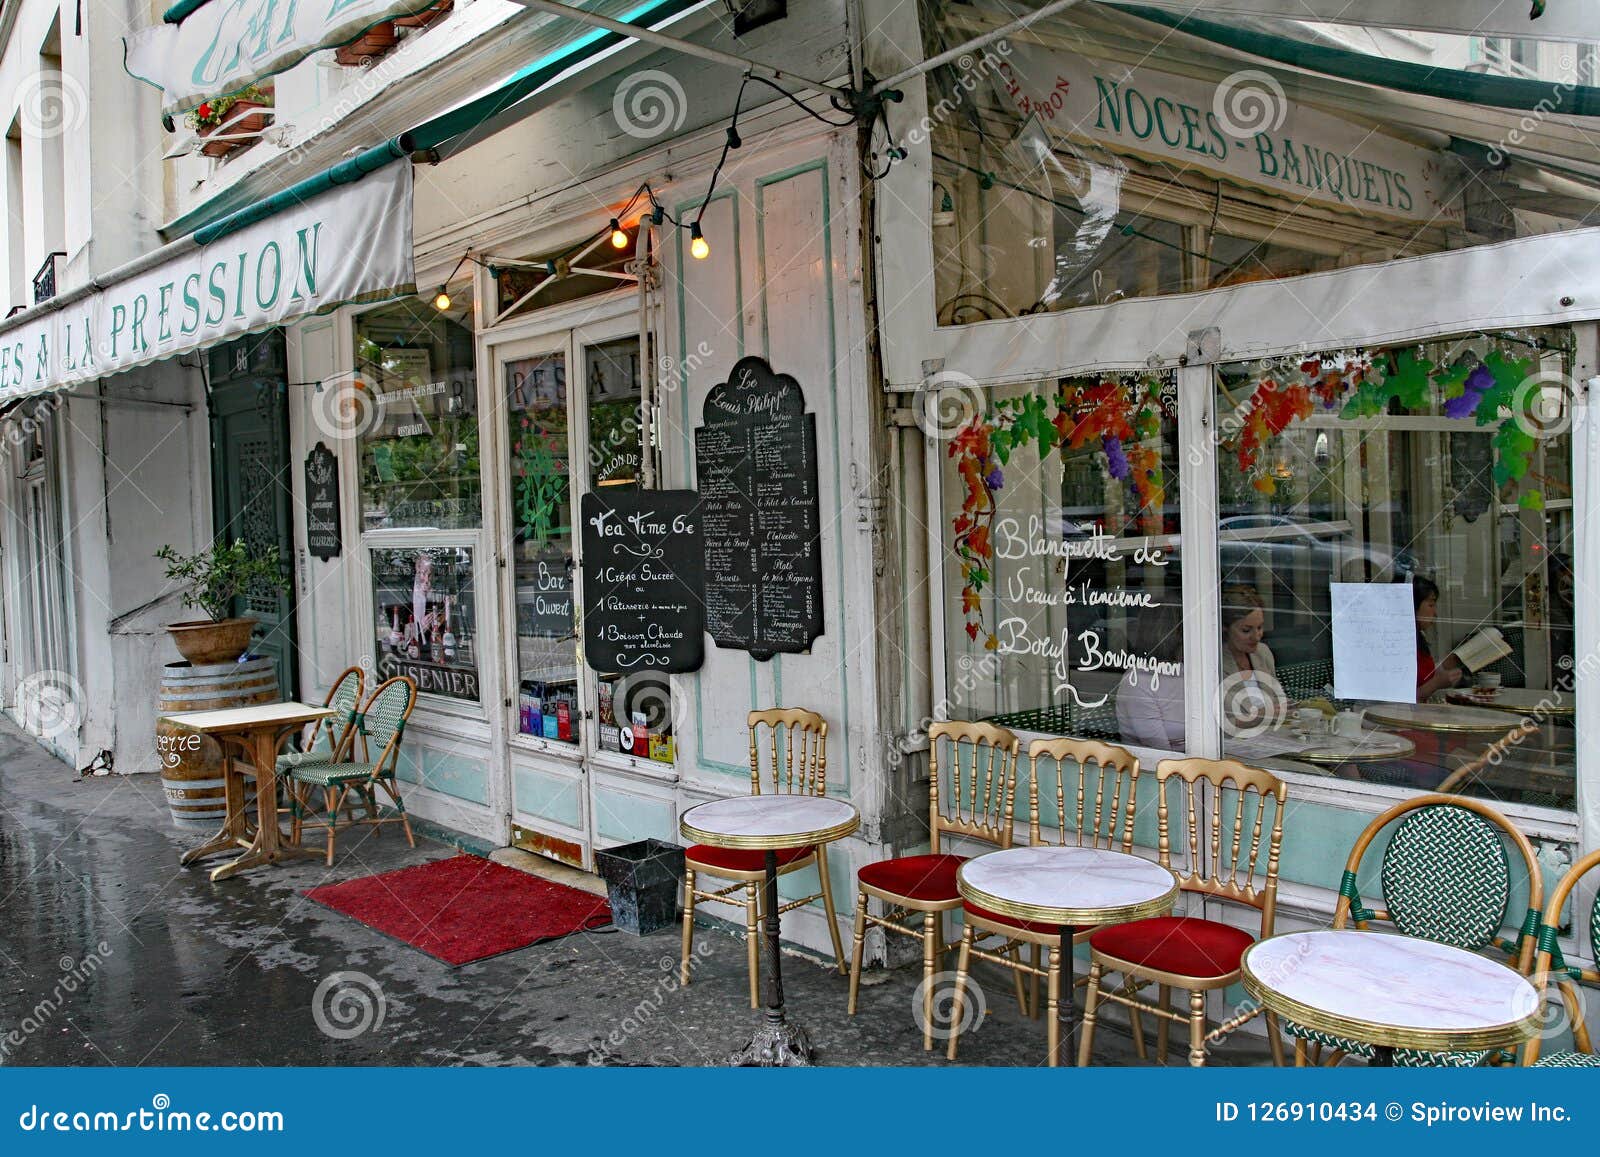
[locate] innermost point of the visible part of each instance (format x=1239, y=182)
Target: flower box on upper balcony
x=369, y=46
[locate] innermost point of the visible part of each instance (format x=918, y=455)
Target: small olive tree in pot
x=212, y=579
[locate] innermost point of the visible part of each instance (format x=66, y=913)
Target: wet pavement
x=111, y=954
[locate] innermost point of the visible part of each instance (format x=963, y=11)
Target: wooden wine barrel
x=191, y=763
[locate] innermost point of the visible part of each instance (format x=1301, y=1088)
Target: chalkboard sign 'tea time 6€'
x=756, y=461
x=643, y=581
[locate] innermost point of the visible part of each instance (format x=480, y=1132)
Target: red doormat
x=465, y=908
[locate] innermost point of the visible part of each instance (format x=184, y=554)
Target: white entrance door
x=567, y=413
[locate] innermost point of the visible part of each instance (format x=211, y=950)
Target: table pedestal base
x=775, y=1046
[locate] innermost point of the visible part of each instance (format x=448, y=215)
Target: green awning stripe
x=431, y=134
x=344, y=173
x=1508, y=92
x=183, y=8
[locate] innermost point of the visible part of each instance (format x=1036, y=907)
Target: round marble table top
x=1439, y=717
x=1068, y=886
x=763, y=822
x=1519, y=700
x=1391, y=990
x=1366, y=747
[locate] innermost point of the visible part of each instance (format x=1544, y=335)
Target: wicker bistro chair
x=1198, y=955
x=325, y=740
x=1550, y=967
x=1447, y=878
x=379, y=726
x=1103, y=814
x=802, y=773
x=918, y=890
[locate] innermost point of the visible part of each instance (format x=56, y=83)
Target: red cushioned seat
x=1183, y=945
x=741, y=859
x=1012, y=921
x=916, y=877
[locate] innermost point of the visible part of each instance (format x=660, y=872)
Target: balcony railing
x=44, y=282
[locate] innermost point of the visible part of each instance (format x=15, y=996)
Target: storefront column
x=1586, y=565
x=1197, y=483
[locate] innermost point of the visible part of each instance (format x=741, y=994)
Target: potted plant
x=425, y=17
x=247, y=111
x=212, y=579
x=366, y=48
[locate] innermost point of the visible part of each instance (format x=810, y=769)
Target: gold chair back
x=1103, y=806
x=981, y=762
x=1233, y=862
x=790, y=771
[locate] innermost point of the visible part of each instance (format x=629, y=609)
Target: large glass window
x=419, y=446
x=1062, y=178
x=1062, y=584
x=1395, y=548
x=426, y=618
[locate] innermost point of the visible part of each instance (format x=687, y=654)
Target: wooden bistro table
x=256, y=732
x=1071, y=888
x=767, y=823
x=1391, y=991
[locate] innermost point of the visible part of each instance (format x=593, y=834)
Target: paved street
x=198, y=973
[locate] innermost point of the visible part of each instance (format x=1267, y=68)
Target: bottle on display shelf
x=449, y=636
x=413, y=645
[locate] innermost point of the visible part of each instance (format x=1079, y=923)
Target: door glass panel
x=634, y=711
x=535, y=391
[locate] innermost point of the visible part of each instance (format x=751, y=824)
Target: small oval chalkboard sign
x=323, y=536
x=643, y=581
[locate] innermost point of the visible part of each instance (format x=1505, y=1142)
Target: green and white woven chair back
x=1446, y=877
x=1594, y=929
x=384, y=716
x=345, y=699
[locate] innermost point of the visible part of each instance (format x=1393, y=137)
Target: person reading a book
x=1432, y=677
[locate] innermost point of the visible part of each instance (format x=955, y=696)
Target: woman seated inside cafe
x=1150, y=701
x=1251, y=694
x=1432, y=677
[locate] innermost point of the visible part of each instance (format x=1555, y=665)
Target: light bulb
x=699, y=247
x=619, y=238
x=441, y=300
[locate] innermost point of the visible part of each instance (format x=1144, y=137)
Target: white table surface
x=257, y=715
x=1066, y=885
x=1514, y=699
x=1410, y=991
x=769, y=820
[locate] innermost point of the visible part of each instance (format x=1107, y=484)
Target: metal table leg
x=777, y=1043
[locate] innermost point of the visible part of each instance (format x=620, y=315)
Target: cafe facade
x=1082, y=364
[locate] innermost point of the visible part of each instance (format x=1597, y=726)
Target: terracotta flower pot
x=426, y=17
x=370, y=45
x=245, y=116
x=202, y=641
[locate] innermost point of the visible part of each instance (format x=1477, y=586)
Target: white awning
x=350, y=242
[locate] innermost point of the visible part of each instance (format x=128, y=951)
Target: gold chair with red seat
x=1190, y=952
x=1103, y=818
x=981, y=766
x=805, y=773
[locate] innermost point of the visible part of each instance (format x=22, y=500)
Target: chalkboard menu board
x=642, y=580
x=756, y=457
x=323, y=537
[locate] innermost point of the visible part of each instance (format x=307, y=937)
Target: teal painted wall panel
x=452, y=775
x=547, y=796
x=621, y=818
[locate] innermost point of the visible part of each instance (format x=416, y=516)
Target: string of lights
x=861, y=107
